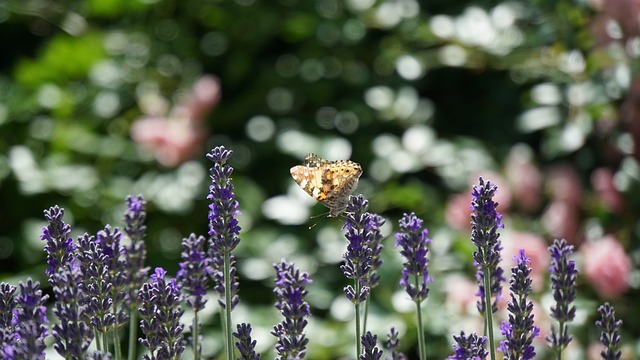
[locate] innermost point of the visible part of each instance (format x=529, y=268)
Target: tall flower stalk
x=358, y=258
x=193, y=278
x=377, y=222
x=290, y=292
x=609, y=332
x=135, y=254
x=414, y=243
x=160, y=310
x=223, y=231
x=485, y=222
x=72, y=333
x=30, y=323
x=563, y=283
x=519, y=331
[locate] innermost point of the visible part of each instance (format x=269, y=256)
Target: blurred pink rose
x=602, y=182
x=564, y=184
x=178, y=137
x=607, y=266
x=457, y=214
x=560, y=220
x=534, y=247
x=524, y=178
x=461, y=292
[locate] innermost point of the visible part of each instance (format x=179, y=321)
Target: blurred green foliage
x=425, y=95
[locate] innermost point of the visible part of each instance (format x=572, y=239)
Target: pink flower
x=564, y=184
x=560, y=220
x=535, y=248
x=457, y=214
x=524, y=178
x=460, y=292
x=178, y=137
x=607, y=266
x=602, y=182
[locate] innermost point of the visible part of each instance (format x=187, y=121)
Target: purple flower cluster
x=485, y=222
x=469, y=347
x=245, y=345
x=29, y=319
x=563, y=283
x=135, y=252
x=519, y=331
x=414, y=242
x=72, y=334
x=194, y=272
x=290, y=292
x=161, y=312
x=223, y=223
x=393, y=343
x=369, y=349
x=361, y=231
x=609, y=332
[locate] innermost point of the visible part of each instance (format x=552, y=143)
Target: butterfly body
x=328, y=182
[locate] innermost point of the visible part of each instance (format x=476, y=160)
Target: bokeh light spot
x=260, y=128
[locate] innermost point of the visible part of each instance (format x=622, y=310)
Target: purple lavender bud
x=472, y=347
x=610, y=332
x=95, y=284
x=369, y=349
x=136, y=252
x=72, y=334
x=29, y=321
x=393, y=343
x=160, y=310
x=108, y=241
x=563, y=283
x=59, y=246
x=412, y=238
x=194, y=272
x=290, y=292
x=7, y=306
x=519, y=331
x=245, y=346
x=223, y=222
x=485, y=222
x=359, y=256
x=377, y=222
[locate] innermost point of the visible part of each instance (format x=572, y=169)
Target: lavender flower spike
x=7, y=306
x=245, y=345
x=485, y=222
x=369, y=349
x=414, y=243
x=30, y=319
x=393, y=343
x=161, y=312
x=136, y=252
x=223, y=224
x=290, y=292
x=563, y=283
x=59, y=246
x=610, y=332
x=469, y=347
x=519, y=330
x=359, y=255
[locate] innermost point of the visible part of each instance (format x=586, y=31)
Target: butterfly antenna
x=321, y=216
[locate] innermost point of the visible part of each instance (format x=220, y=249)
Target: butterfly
x=329, y=182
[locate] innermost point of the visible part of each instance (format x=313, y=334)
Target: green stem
x=133, y=334
x=357, y=305
x=365, y=315
x=561, y=329
x=421, y=344
x=116, y=344
x=227, y=304
x=488, y=311
x=194, y=337
x=105, y=342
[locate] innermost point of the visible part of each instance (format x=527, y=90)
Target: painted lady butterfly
x=329, y=182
